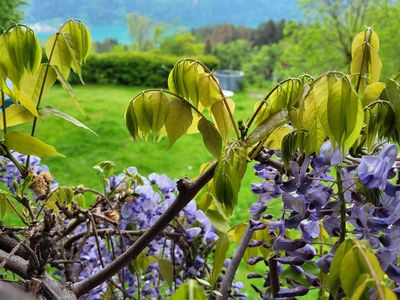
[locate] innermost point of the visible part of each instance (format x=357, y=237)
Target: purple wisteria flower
x=373, y=171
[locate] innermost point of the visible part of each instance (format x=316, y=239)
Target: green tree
x=232, y=54
x=10, y=12
x=259, y=67
x=182, y=44
x=323, y=40
x=146, y=33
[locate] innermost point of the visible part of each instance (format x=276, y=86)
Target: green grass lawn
x=104, y=108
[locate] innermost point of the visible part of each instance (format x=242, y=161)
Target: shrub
x=133, y=68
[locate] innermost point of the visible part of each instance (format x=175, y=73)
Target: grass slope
x=104, y=108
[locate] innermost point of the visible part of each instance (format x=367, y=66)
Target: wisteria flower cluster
x=309, y=223
x=185, y=245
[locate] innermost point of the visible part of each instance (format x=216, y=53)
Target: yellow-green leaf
x=16, y=115
x=372, y=92
x=315, y=133
x=360, y=285
x=274, y=141
x=166, y=270
x=335, y=268
x=209, y=90
x=31, y=87
x=80, y=37
x=267, y=127
x=221, y=247
x=62, y=195
x=222, y=119
x=131, y=121
x=29, y=145
x=49, y=110
x=228, y=176
x=211, y=137
x=179, y=119
x=158, y=105
x=190, y=290
x=184, y=80
x=20, y=51
x=342, y=115
x=59, y=53
x=65, y=84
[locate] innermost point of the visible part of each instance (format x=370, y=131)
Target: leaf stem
x=41, y=92
x=342, y=201
x=264, y=101
x=11, y=157
x=3, y=111
x=16, y=211
x=367, y=37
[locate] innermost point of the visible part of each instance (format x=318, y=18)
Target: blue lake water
x=100, y=33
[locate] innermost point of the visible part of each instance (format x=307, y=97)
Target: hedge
x=133, y=68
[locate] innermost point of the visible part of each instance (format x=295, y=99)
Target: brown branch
x=187, y=191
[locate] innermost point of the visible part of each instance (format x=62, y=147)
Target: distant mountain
x=188, y=13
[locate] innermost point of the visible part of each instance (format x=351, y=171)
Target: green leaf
x=203, y=282
x=29, y=145
x=221, y=248
x=228, y=176
x=357, y=263
x=389, y=294
x=190, y=290
x=286, y=93
x=274, y=140
x=184, y=80
x=267, y=127
x=391, y=93
x=62, y=195
x=311, y=123
x=372, y=92
x=158, y=106
x=147, y=112
x=222, y=119
x=142, y=262
x=365, y=64
x=335, y=268
x=105, y=168
x=4, y=205
x=67, y=87
x=166, y=270
x=209, y=90
x=218, y=219
x=288, y=147
x=211, y=137
x=179, y=119
x=351, y=269
x=360, y=285
x=59, y=53
x=32, y=87
x=49, y=110
x=78, y=39
x=342, y=115
x=131, y=121
x=16, y=115
x=142, y=113
x=20, y=52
